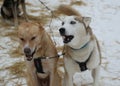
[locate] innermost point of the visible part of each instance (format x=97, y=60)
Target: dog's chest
x=44, y=65
x=71, y=65
x=47, y=65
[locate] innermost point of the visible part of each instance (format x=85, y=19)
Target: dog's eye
x=63, y=23
x=22, y=39
x=72, y=22
x=33, y=38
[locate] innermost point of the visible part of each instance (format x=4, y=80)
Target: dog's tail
x=68, y=10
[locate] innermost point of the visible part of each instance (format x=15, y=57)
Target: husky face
x=73, y=31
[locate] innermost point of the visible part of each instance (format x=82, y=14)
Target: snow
x=105, y=23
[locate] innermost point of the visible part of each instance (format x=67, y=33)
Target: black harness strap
x=82, y=65
x=38, y=65
x=38, y=62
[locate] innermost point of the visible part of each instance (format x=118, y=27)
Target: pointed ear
x=87, y=20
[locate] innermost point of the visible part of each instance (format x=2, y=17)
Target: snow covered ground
x=106, y=26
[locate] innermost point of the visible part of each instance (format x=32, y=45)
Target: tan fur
x=45, y=47
x=67, y=10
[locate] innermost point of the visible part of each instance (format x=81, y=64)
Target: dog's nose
x=62, y=31
x=27, y=51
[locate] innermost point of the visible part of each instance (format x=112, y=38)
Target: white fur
x=81, y=37
x=83, y=78
x=78, y=30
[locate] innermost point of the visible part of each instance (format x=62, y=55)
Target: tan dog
x=82, y=51
x=41, y=55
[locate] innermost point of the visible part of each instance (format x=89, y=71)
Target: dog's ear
x=77, y=18
x=87, y=21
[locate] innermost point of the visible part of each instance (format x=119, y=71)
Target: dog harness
x=38, y=65
x=82, y=65
x=38, y=62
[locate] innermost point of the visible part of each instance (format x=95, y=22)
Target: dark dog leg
x=15, y=14
x=24, y=10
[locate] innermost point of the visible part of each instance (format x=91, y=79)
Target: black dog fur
x=10, y=10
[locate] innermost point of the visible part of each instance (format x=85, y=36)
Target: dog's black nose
x=62, y=31
x=27, y=51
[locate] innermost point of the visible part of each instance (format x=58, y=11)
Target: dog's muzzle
x=29, y=54
x=66, y=38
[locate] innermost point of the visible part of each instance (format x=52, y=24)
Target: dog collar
x=82, y=46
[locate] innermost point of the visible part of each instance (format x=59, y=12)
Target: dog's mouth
x=29, y=57
x=67, y=38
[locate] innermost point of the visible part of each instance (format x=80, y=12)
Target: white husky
x=82, y=50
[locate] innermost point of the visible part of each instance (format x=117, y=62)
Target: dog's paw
x=61, y=71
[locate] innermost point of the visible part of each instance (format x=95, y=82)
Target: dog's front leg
x=96, y=77
x=24, y=10
x=32, y=79
x=14, y=9
x=52, y=79
x=69, y=79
